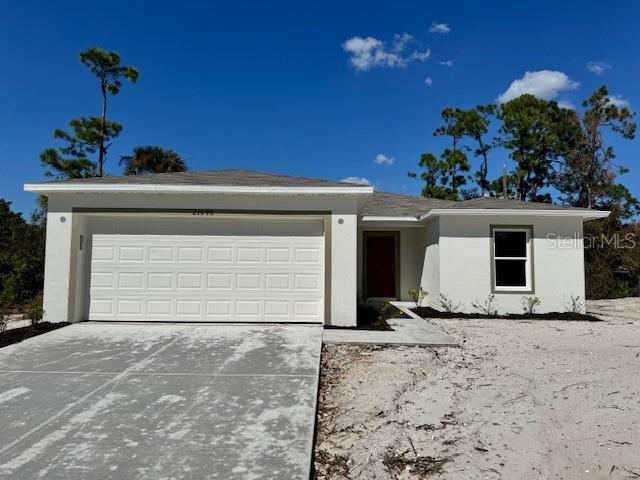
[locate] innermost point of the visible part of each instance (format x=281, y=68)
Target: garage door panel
x=222, y=255
x=161, y=254
x=278, y=255
x=190, y=254
x=159, y=307
x=199, y=278
x=220, y=281
x=131, y=254
x=160, y=280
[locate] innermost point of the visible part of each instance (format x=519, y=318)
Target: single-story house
x=244, y=246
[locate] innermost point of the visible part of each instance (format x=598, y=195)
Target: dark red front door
x=381, y=265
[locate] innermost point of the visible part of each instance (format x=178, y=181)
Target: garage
x=223, y=269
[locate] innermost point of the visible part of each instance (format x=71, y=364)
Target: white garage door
x=207, y=278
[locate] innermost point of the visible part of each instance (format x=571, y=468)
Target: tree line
x=82, y=153
x=558, y=155
x=85, y=146
x=553, y=149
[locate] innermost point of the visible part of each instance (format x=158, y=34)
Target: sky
x=322, y=89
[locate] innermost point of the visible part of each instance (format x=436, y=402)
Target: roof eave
x=376, y=218
x=49, y=188
x=585, y=214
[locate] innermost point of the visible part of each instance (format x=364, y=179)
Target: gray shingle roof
x=239, y=178
x=500, y=203
x=379, y=204
x=384, y=204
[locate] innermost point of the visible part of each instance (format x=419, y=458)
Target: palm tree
x=151, y=159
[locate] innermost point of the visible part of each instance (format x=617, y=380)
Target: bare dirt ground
x=520, y=399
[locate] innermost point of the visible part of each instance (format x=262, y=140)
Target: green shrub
x=3, y=319
x=448, y=305
x=417, y=295
x=529, y=304
x=487, y=307
x=575, y=304
x=34, y=310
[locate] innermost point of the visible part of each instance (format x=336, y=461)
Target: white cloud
x=369, y=52
x=428, y=81
x=382, y=159
x=544, y=84
x=566, y=104
x=439, y=28
x=599, y=68
x=618, y=101
x=356, y=180
x=446, y=63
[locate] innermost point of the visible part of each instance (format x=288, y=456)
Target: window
x=511, y=259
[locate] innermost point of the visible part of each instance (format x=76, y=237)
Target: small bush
x=3, y=319
x=575, y=304
x=487, y=307
x=417, y=295
x=34, y=311
x=529, y=304
x=448, y=305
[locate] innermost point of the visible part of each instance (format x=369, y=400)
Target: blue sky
x=277, y=86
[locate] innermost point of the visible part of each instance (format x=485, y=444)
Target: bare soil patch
x=429, y=312
x=519, y=399
x=16, y=335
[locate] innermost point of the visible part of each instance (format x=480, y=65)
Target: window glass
x=510, y=244
x=511, y=273
x=511, y=259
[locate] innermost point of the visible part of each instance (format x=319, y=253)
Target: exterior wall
x=430, y=279
x=465, y=262
x=412, y=256
x=66, y=266
x=59, y=300
x=343, y=235
x=79, y=265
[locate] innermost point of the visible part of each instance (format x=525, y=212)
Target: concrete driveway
x=160, y=401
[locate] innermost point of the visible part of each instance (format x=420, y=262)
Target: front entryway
x=381, y=260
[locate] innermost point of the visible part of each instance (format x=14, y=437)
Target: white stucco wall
x=65, y=265
x=343, y=235
x=59, y=300
x=430, y=278
x=465, y=261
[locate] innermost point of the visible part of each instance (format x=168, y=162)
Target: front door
x=381, y=252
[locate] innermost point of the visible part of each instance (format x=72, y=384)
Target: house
x=243, y=246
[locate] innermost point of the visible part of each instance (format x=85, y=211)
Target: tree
x=21, y=257
x=612, y=257
x=588, y=179
x=504, y=186
x=435, y=176
x=476, y=125
x=454, y=158
x=151, y=159
x=443, y=176
x=106, y=67
x=89, y=135
x=538, y=134
x=73, y=160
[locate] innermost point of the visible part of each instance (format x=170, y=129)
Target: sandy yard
x=519, y=399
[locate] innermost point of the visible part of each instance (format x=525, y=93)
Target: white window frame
x=528, y=260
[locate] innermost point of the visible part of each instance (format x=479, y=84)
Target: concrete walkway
x=413, y=331
x=151, y=401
